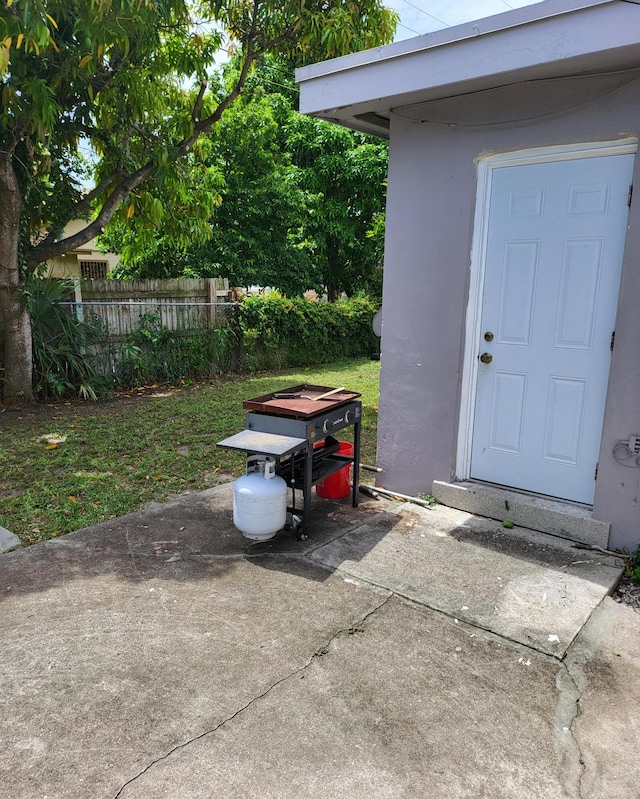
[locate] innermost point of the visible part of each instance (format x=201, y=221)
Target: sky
x=424, y=16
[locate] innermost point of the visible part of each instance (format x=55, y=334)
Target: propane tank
x=260, y=500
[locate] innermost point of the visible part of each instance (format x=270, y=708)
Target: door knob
x=486, y=357
x=488, y=336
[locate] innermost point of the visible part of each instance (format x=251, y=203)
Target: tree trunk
x=333, y=272
x=333, y=293
x=15, y=325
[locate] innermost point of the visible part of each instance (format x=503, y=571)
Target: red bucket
x=338, y=484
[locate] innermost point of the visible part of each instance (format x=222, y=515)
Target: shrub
x=633, y=566
x=269, y=332
x=279, y=332
x=63, y=363
x=154, y=353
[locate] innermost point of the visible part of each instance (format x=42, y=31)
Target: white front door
x=554, y=246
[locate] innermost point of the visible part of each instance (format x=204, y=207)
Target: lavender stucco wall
x=430, y=208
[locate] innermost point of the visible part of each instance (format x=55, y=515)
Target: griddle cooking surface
x=301, y=407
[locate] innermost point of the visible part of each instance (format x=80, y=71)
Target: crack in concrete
x=567, y=745
x=572, y=682
x=320, y=652
x=441, y=612
x=574, y=663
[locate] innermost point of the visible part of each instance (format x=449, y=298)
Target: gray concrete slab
x=8, y=540
x=533, y=588
x=113, y=656
x=604, y=664
x=409, y=705
x=161, y=654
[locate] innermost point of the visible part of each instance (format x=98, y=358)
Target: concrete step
x=554, y=517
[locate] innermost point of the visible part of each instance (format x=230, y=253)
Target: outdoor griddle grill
x=296, y=426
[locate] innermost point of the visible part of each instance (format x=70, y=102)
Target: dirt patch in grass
x=63, y=409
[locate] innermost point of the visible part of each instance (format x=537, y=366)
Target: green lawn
x=68, y=465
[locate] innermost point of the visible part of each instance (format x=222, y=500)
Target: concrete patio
x=398, y=652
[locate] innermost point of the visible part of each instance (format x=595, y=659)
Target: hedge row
x=279, y=332
x=263, y=333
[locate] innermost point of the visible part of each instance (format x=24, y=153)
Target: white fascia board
x=446, y=36
x=552, y=37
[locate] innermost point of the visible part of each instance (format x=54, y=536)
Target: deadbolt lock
x=488, y=336
x=486, y=357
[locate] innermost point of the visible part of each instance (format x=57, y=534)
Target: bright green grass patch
x=77, y=469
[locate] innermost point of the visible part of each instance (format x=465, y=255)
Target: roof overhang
x=553, y=38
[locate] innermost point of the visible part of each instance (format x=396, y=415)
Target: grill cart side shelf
x=293, y=442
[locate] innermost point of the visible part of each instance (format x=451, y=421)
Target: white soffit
x=552, y=38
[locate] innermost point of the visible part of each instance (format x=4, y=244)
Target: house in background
x=510, y=380
x=85, y=262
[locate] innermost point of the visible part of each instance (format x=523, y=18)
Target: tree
x=343, y=175
x=129, y=77
x=253, y=233
x=302, y=200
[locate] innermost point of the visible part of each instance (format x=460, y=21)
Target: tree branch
x=88, y=198
x=12, y=143
x=199, y=100
x=49, y=248
x=205, y=125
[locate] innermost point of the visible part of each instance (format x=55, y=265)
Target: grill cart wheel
x=298, y=527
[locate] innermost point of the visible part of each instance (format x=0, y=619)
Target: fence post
x=211, y=299
x=77, y=293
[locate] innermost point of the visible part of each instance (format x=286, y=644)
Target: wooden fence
x=122, y=306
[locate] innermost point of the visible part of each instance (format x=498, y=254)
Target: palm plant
x=62, y=342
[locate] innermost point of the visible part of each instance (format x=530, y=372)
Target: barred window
x=94, y=270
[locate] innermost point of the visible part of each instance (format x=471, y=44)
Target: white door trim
x=486, y=166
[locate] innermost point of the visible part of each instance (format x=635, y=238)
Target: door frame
x=486, y=166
